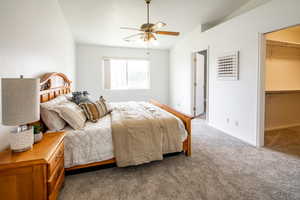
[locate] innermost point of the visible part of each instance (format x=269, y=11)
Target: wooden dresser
x=36, y=174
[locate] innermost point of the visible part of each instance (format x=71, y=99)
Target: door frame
x=193, y=103
x=262, y=48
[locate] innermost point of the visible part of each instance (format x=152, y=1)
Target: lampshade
x=20, y=101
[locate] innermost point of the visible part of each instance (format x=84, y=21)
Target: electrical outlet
x=227, y=120
x=236, y=123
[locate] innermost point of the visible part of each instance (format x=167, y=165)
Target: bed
x=93, y=146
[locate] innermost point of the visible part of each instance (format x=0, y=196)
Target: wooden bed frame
x=55, y=84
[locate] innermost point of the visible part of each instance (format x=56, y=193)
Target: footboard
x=187, y=120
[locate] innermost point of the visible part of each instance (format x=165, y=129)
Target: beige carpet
x=221, y=167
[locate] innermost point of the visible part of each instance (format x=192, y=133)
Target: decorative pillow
x=51, y=119
x=91, y=111
x=95, y=111
x=81, y=97
x=103, y=107
x=71, y=113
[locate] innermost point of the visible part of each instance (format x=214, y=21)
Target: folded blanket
x=142, y=133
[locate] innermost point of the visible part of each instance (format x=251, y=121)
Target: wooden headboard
x=54, y=84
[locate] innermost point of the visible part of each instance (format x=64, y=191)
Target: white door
x=200, y=84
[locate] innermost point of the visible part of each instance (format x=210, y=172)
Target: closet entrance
x=282, y=90
x=200, y=72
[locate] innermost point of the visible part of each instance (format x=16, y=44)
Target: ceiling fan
x=148, y=31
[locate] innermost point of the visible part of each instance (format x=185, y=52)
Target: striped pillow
x=95, y=111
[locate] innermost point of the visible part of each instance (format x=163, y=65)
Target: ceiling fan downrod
x=148, y=10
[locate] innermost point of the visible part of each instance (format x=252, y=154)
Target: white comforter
x=94, y=142
x=91, y=144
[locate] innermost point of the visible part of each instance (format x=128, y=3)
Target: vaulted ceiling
x=99, y=21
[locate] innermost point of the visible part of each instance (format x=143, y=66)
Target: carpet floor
x=221, y=167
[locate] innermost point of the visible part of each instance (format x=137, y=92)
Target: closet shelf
x=281, y=91
x=283, y=43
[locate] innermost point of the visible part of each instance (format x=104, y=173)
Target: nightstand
x=37, y=174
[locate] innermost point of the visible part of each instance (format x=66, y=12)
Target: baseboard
x=282, y=127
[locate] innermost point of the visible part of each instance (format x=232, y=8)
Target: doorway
x=282, y=90
x=200, y=83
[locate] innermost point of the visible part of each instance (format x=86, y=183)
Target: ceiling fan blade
x=129, y=28
x=158, y=25
x=167, y=33
x=133, y=37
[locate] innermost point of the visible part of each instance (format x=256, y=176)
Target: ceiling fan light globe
x=151, y=38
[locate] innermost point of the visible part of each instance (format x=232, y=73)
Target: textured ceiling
x=98, y=21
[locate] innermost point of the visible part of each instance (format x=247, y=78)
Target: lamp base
x=21, y=141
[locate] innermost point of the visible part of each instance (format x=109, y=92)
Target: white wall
x=90, y=77
x=282, y=68
x=34, y=39
x=233, y=100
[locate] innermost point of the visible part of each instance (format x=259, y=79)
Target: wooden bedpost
x=187, y=121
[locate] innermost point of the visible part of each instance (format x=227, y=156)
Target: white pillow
x=51, y=119
x=71, y=113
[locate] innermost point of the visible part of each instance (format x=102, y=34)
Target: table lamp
x=20, y=106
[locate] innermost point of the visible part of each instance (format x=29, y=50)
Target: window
x=126, y=74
